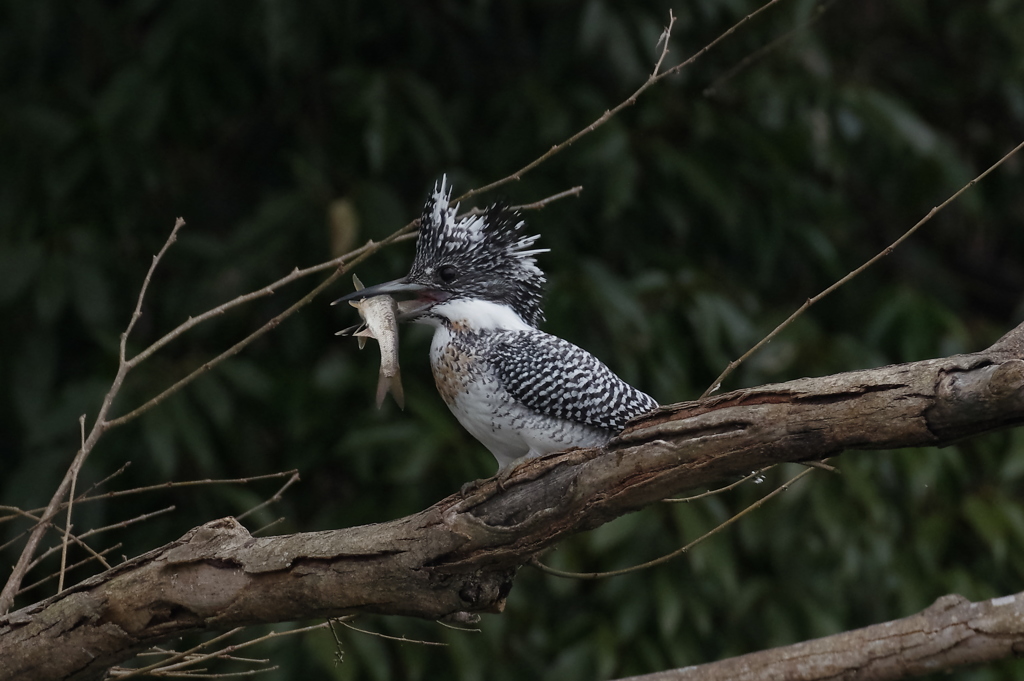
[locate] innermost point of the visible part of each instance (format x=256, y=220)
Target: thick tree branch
x=462, y=553
x=952, y=632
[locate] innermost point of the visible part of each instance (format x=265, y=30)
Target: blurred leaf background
x=282, y=129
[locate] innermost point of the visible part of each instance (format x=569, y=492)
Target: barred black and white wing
x=556, y=378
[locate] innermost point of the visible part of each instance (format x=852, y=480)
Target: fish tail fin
x=392, y=384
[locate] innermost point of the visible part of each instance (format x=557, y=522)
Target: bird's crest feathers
x=484, y=256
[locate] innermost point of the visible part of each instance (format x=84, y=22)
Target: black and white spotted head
x=484, y=257
x=477, y=272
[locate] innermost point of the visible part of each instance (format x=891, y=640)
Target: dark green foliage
x=710, y=211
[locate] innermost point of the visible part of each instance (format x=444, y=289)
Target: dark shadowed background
x=710, y=211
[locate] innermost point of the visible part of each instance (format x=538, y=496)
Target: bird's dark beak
x=424, y=297
x=387, y=288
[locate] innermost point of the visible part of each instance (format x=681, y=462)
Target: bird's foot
x=472, y=486
x=502, y=477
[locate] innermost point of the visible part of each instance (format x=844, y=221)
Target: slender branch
x=101, y=424
x=765, y=50
x=64, y=545
x=119, y=673
x=702, y=495
x=274, y=498
x=194, y=659
x=364, y=252
x=178, y=224
x=822, y=466
x=222, y=675
x=717, y=383
x=79, y=539
x=656, y=76
x=403, y=234
x=400, y=639
x=268, y=290
x=76, y=539
x=188, y=483
x=157, y=651
x=230, y=352
x=678, y=552
x=88, y=559
x=19, y=513
x=33, y=514
x=71, y=499
x=21, y=567
x=537, y=205
x=259, y=531
x=96, y=485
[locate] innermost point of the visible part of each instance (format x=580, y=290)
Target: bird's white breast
x=474, y=394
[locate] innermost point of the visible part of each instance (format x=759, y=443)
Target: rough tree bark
x=461, y=554
x=952, y=632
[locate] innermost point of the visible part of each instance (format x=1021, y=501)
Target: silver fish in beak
x=380, y=322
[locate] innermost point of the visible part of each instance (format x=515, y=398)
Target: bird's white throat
x=478, y=315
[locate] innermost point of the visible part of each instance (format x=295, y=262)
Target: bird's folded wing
x=559, y=379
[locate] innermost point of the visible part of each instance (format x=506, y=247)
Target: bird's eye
x=446, y=273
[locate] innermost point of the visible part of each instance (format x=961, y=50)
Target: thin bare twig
x=96, y=485
x=678, y=552
x=536, y=205
x=19, y=513
x=67, y=524
x=77, y=540
x=403, y=234
x=97, y=530
x=886, y=251
x=163, y=665
x=98, y=556
x=400, y=639
x=178, y=224
x=365, y=252
x=120, y=525
x=84, y=497
x=342, y=264
x=33, y=514
x=273, y=499
x=261, y=530
x=471, y=630
x=188, y=483
x=21, y=567
x=713, y=492
x=222, y=675
x=268, y=290
x=339, y=649
x=156, y=650
x=823, y=466
x=101, y=424
x=765, y=50
x=122, y=673
x=656, y=76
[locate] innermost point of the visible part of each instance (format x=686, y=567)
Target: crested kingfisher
x=518, y=390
